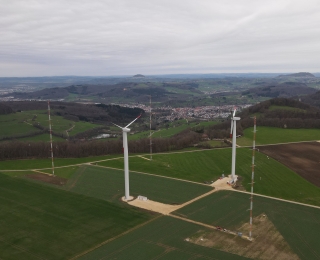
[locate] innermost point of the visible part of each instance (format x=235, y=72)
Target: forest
x=277, y=112
x=78, y=148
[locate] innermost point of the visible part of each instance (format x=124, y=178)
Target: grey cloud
x=101, y=37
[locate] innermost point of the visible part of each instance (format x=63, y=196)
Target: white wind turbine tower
x=233, y=135
x=126, y=130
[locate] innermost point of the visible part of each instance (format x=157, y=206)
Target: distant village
x=202, y=112
x=163, y=113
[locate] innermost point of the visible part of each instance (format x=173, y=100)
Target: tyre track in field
x=109, y=159
x=113, y=238
x=150, y=174
x=286, y=220
x=161, y=176
x=21, y=249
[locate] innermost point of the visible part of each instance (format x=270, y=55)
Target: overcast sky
x=126, y=37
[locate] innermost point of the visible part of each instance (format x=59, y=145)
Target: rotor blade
x=116, y=125
x=234, y=112
x=133, y=121
x=231, y=129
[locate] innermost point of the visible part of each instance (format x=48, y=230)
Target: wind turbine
x=233, y=135
x=126, y=130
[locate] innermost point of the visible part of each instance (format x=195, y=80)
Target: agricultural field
x=14, y=124
x=162, y=238
x=271, y=177
x=42, y=138
x=65, y=172
x=41, y=222
x=173, y=129
x=21, y=123
x=28, y=164
x=299, y=225
x=303, y=158
x=91, y=192
x=108, y=184
x=273, y=135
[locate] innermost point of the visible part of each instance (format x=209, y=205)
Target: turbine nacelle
x=233, y=122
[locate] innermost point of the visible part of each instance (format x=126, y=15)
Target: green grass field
x=40, y=222
x=21, y=123
x=65, y=172
x=174, y=128
x=80, y=127
x=163, y=238
x=273, y=135
x=271, y=177
x=108, y=184
x=299, y=225
x=42, y=138
x=46, y=163
x=88, y=198
x=13, y=125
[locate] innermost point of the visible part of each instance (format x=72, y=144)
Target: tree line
x=76, y=148
x=96, y=113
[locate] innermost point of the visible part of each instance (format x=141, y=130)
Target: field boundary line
x=144, y=157
x=113, y=238
x=311, y=141
x=206, y=225
x=68, y=130
x=161, y=176
x=42, y=172
x=25, y=121
x=198, y=198
x=57, y=167
x=193, y=221
x=110, y=159
x=145, y=154
x=275, y=198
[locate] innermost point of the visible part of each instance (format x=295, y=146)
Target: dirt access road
x=166, y=209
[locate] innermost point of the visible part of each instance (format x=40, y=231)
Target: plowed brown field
x=303, y=158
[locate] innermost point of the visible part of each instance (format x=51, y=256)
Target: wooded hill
x=76, y=148
x=94, y=113
x=277, y=112
x=312, y=99
x=298, y=75
x=71, y=121
x=121, y=91
x=286, y=89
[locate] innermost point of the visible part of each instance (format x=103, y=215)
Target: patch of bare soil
x=302, y=158
x=162, y=208
x=267, y=242
x=48, y=178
